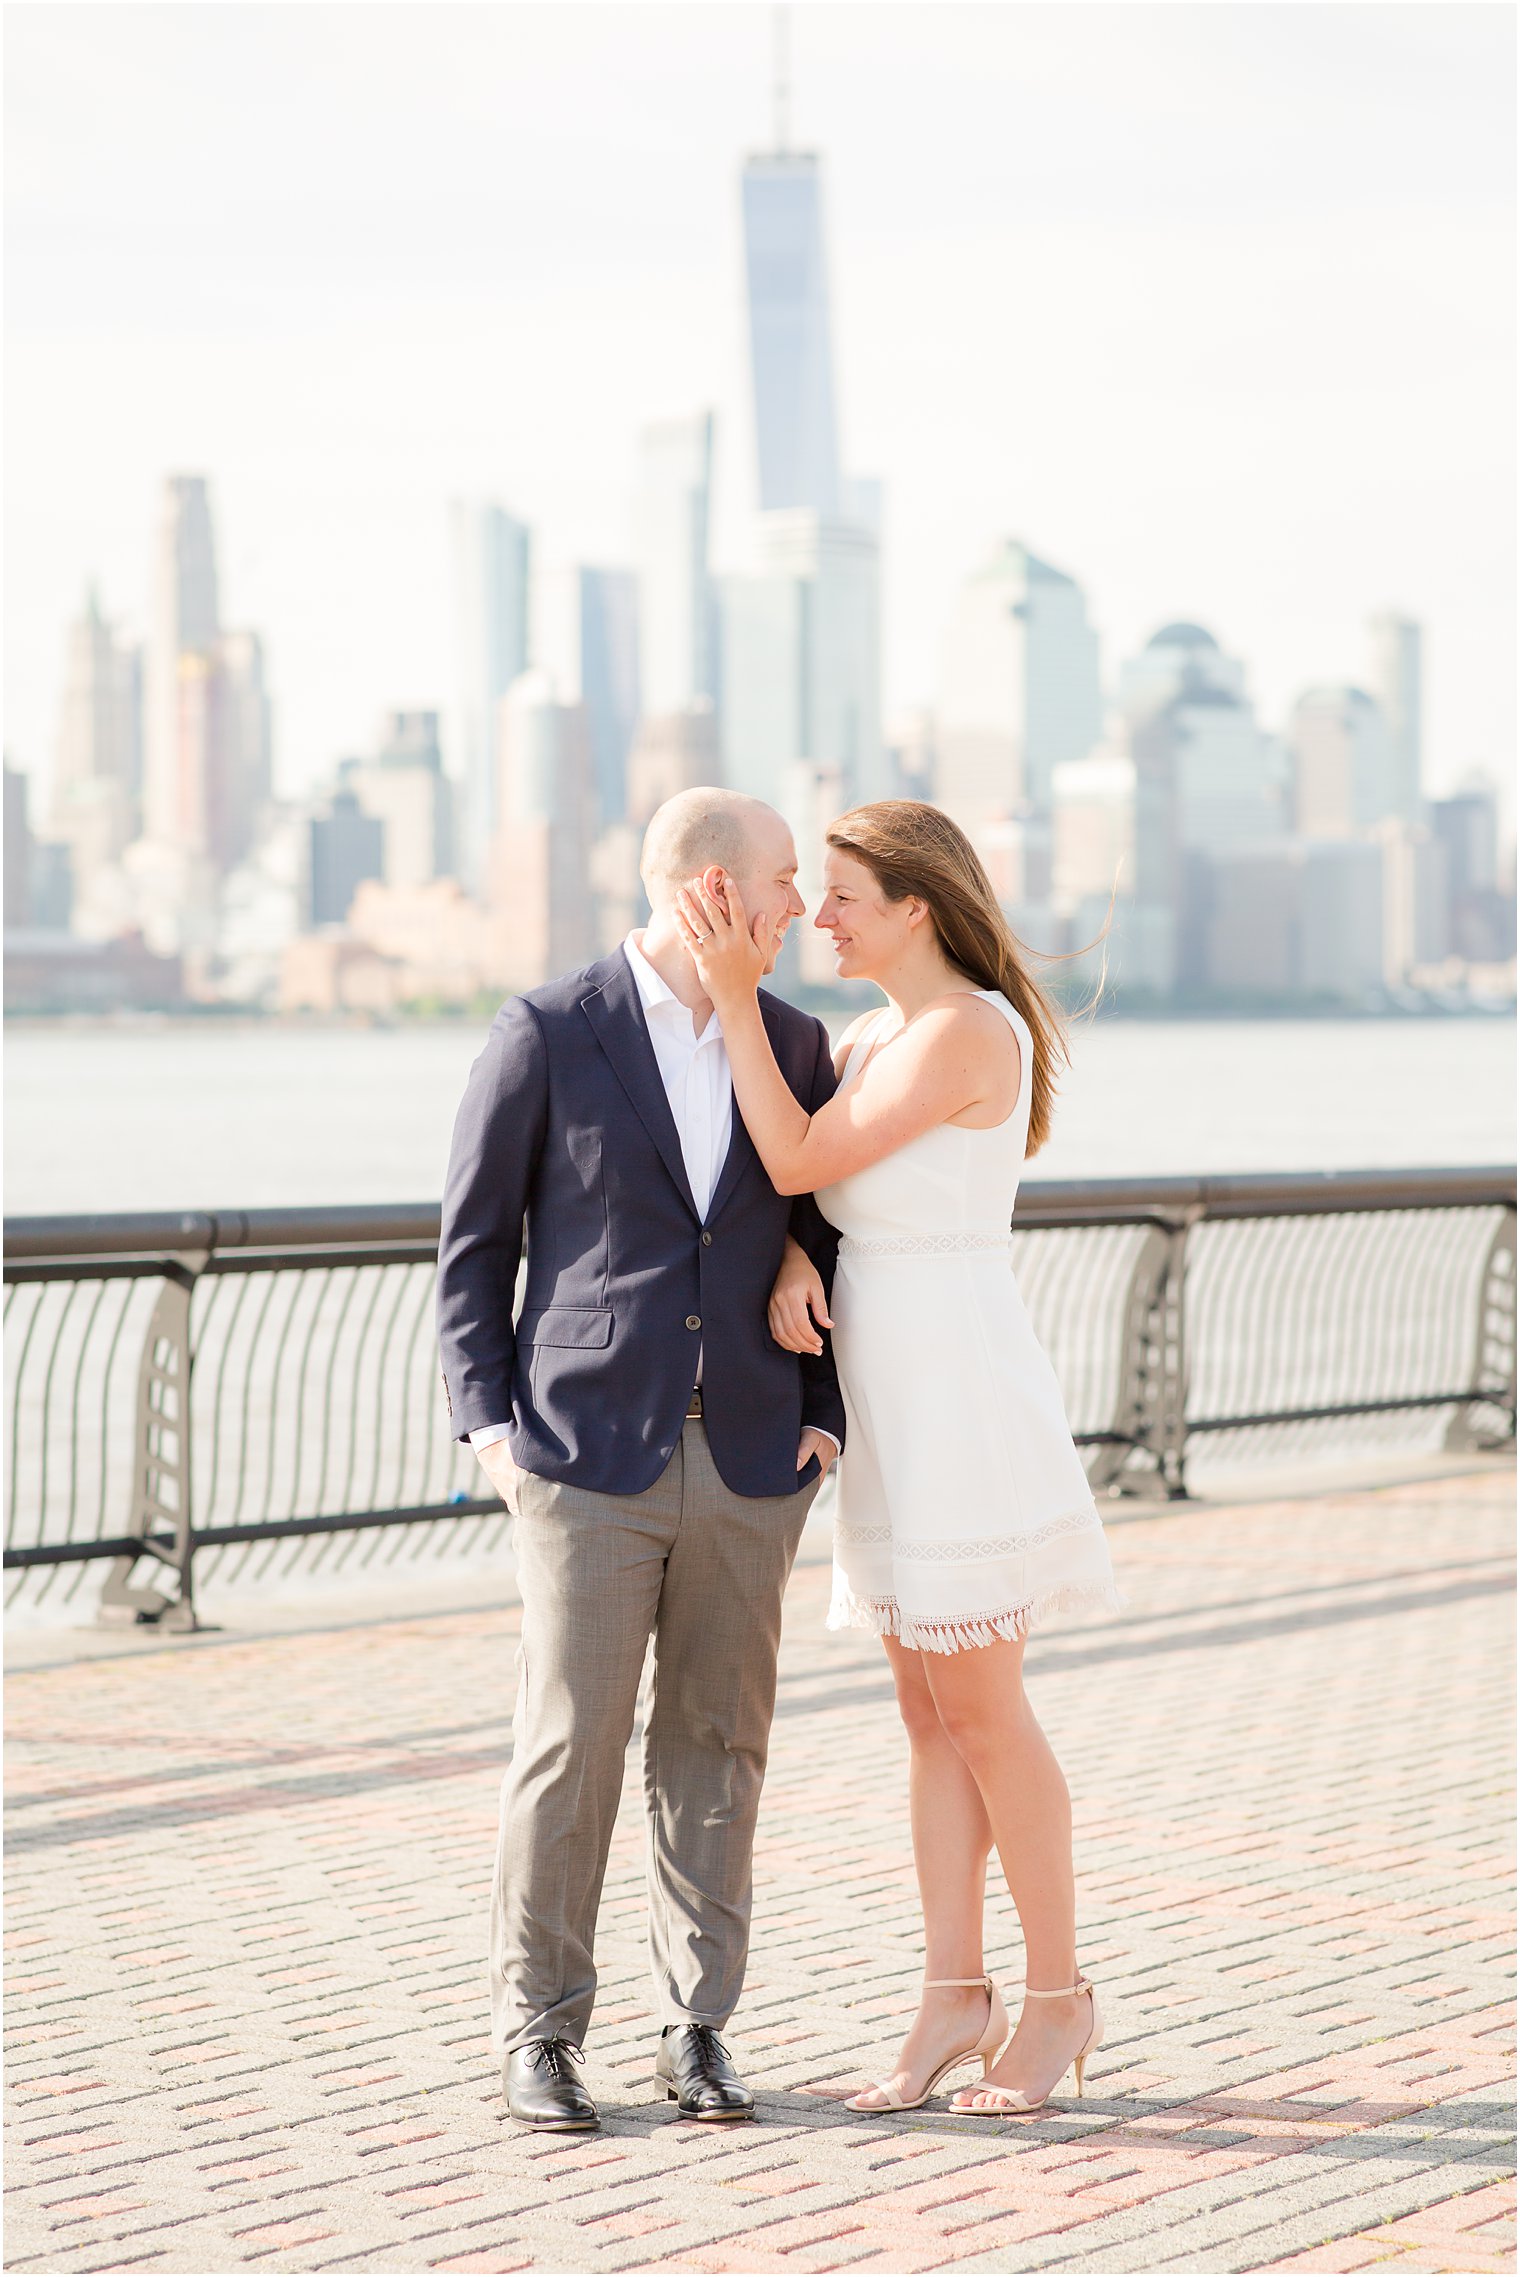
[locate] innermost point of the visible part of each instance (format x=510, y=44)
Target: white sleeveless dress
x=964, y=1512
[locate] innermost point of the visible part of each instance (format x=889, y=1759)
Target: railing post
x=162, y=1495
x=1494, y=1348
x=1150, y=1412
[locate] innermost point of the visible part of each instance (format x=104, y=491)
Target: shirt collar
x=652, y=989
x=655, y=991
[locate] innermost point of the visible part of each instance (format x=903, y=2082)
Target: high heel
x=989, y=2046
x=994, y=2100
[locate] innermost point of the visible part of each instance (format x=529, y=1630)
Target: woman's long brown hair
x=912, y=848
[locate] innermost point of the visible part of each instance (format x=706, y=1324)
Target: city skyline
x=1298, y=868
x=383, y=639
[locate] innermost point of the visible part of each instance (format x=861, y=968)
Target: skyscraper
x=801, y=664
x=1019, y=688
x=791, y=358
x=491, y=564
x=343, y=848
x=185, y=620
x=588, y=638
x=673, y=751
x=404, y=787
x=791, y=363
x=1209, y=776
x=95, y=762
x=1397, y=682
x=206, y=756
x=1481, y=911
x=677, y=662
x=18, y=851
x=540, y=852
x=204, y=822
x=802, y=660
x=1345, y=774
x=1177, y=660
x=1467, y=824
x=248, y=732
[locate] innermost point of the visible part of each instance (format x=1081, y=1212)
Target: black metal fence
x=195, y=1394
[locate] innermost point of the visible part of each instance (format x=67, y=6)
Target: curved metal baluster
x=419, y=1280
x=388, y=1543
x=269, y=1280
x=322, y=1286
x=1301, y=1301
x=26, y=1345
x=1439, y=1357
x=47, y=1404
x=129, y=1289
x=1318, y=1322
x=213, y=1307
x=377, y=1290
x=402, y=1277
x=79, y=1371
x=332, y=1357
x=295, y=1277
x=328, y=1542
x=1309, y=1306
x=1399, y=1336
x=1370, y=1290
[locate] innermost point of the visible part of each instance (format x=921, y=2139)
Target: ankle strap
x=1056, y=1992
x=932, y=1983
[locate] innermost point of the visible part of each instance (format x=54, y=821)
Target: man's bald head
x=700, y=828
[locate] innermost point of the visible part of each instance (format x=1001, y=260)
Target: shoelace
x=706, y=2042
x=550, y=2054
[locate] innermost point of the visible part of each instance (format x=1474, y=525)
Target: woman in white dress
x=964, y=1516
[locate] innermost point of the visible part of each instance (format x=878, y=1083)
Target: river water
x=246, y=1114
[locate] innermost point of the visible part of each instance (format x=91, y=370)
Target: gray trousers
x=703, y=1570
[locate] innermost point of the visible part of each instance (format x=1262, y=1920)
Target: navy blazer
x=565, y=1125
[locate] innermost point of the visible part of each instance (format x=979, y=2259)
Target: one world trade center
x=791, y=360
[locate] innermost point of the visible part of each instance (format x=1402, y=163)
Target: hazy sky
x=1211, y=304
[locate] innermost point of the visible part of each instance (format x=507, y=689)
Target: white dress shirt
x=695, y=1072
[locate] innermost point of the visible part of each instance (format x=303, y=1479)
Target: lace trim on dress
x=944, y=1632
x=994, y=1546
x=921, y=1244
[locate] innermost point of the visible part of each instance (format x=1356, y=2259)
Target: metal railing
x=190, y=1393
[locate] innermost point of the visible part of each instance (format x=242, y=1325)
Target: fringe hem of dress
x=963, y=1632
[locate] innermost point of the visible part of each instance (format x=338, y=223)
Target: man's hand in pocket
x=496, y=1461
x=816, y=1443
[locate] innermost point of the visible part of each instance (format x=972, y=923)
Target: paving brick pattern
x=247, y=1893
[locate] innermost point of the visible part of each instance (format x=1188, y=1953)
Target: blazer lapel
x=741, y=1147
x=617, y=1019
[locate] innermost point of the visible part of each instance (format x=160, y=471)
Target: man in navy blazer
x=659, y=1450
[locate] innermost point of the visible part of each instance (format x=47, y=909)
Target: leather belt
x=694, y=1404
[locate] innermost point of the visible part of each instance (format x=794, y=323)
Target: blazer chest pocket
x=583, y=1327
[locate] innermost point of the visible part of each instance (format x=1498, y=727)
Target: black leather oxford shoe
x=543, y=2088
x=696, y=2072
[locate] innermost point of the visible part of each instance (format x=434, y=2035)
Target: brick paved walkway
x=247, y=1893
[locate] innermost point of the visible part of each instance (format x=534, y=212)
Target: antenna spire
x=781, y=88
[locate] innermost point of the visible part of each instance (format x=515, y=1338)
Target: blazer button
x=706, y=1239
x=693, y=1320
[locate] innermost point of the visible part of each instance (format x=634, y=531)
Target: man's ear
x=715, y=882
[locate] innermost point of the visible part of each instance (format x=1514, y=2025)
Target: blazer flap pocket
x=588, y=1326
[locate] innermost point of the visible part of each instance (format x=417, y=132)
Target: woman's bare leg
x=985, y=1713
x=952, y=1838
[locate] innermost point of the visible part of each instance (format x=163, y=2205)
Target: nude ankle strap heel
x=995, y=2100
x=999, y=2031
x=989, y=2047
x=1063, y=1992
